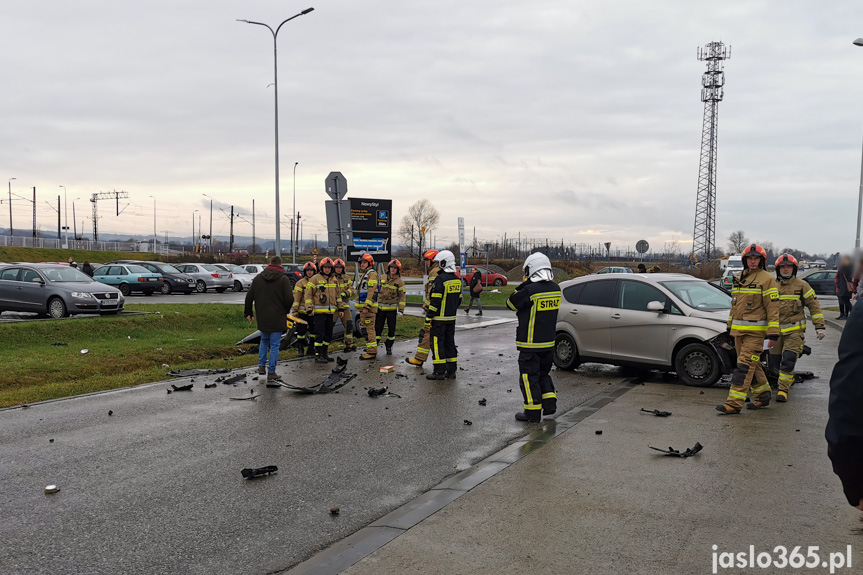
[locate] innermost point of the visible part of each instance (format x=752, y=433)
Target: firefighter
x=367, y=296
x=536, y=302
x=443, y=304
x=346, y=292
x=432, y=270
x=754, y=317
x=391, y=303
x=794, y=295
x=324, y=299
x=305, y=335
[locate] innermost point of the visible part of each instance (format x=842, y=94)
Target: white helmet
x=446, y=260
x=536, y=262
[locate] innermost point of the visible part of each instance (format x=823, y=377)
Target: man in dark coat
x=845, y=426
x=272, y=297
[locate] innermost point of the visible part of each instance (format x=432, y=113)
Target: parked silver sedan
x=650, y=321
x=207, y=276
x=242, y=278
x=55, y=290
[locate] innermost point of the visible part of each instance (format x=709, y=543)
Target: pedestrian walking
x=367, y=296
x=754, y=317
x=270, y=295
x=324, y=300
x=795, y=295
x=475, y=291
x=305, y=330
x=844, y=286
x=845, y=426
x=443, y=306
x=424, y=343
x=391, y=304
x=536, y=302
x=87, y=269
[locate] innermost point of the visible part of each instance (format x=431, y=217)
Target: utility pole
x=11, y=231
x=231, y=239
x=253, y=226
x=74, y=223
x=58, y=218
x=300, y=230
x=198, y=243
x=34, y=211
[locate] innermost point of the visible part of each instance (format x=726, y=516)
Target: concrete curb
x=835, y=324
x=367, y=540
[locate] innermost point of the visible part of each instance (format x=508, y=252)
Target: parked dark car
x=55, y=290
x=822, y=281
x=173, y=280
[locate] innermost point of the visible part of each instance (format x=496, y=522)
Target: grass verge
x=125, y=350
x=50, y=255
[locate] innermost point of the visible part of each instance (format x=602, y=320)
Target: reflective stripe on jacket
x=300, y=295
x=346, y=291
x=445, y=297
x=322, y=295
x=754, y=304
x=393, y=294
x=536, y=305
x=795, y=295
x=367, y=290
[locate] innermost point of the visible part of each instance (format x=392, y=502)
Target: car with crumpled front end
x=668, y=322
x=56, y=290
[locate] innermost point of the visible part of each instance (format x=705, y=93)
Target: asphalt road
x=156, y=487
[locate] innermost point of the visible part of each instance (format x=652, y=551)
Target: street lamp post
x=210, y=239
x=293, y=219
x=275, y=34
x=859, y=42
x=65, y=216
x=154, y=224
x=11, y=233
x=194, y=243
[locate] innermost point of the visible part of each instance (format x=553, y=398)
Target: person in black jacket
x=844, y=279
x=443, y=304
x=536, y=302
x=272, y=297
x=845, y=427
x=475, y=280
x=87, y=269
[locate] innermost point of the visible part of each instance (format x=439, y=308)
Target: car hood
x=87, y=287
x=718, y=315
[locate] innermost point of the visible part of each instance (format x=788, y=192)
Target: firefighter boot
x=760, y=401
x=781, y=396
x=367, y=356
x=414, y=361
x=726, y=409
x=436, y=376
x=300, y=348
x=532, y=416
x=389, y=346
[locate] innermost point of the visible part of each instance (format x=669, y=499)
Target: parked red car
x=488, y=277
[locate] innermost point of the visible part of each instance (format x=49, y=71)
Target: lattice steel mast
x=712, y=82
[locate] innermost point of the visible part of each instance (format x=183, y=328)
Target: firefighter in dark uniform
x=443, y=304
x=305, y=335
x=536, y=302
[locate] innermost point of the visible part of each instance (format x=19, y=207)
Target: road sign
x=642, y=246
x=315, y=251
x=371, y=228
x=608, y=246
x=337, y=218
x=336, y=185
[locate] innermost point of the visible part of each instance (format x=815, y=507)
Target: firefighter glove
x=819, y=333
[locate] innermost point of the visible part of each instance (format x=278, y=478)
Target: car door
x=590, y=316
x=33, y=291
x=637, y=334
x=819, y=284
x=10, y=295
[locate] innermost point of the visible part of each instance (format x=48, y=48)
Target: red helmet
x=430, y=255
x=309, y=266
x=338, y=262
x=367, y=258
x=756, y=250
x=786, y=259
x=325, y=262
x=395, y=264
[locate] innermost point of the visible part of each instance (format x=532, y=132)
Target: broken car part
x=250, y=473
x=656, y=412
x=674, y=453
x=182, y=387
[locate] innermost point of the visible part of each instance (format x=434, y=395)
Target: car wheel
x=697, y=365
x=166, y=288
x=238, y=286
x=56, y=308
x=220, y=290
x=565, y=352
x=498, y=282
x=201, y=287
x=125, y=290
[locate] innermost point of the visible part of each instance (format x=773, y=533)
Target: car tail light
x=230, y=276
x=142, y=279
x=215, y=275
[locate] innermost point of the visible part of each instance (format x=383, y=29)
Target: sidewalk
x=607, y=504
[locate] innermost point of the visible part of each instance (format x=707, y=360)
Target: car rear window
x=597, y=293
x=138, y=270
x=571, y=293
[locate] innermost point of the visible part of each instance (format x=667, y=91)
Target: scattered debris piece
x=110, y=412
x=49, y=489
x=165, y=365
x=483, y=401
x=690, y=451
x=182, y=387
x=249, y=473
x=84, y=351
x=273, y=385
x=700, y=393
x=245, y=398
x=235, y=379
x=796, y=430
x=468, y=422
x=340, y=369
x=498, y=373
x=195, y=372
x=52, y=439
x=382, y=392
x=255, y=378
x=341, y=361
x=169, y=391
x=334, y=511
x=210, y=385
x=500, y=355
x=59, y=345
x=509, y=391
x=656, y=412
x=599, y=432
x=333, y=382
x=388, y=369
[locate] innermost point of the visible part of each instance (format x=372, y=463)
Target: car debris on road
x=689, y=452
x=656, y=412
x=250, y=473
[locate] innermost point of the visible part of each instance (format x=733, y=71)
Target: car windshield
x=63, y=274
x=138, y=270
x=212, y=268
x=699, y=295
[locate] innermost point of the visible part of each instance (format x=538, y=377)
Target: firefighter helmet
x=755, y=250
x=784, y=260
x=534, y=263
x=395, y=264
x=338, y=262
x=368, y=259
x=325, y=262
x=429, y=255
x=446, y=260
x=309, y=266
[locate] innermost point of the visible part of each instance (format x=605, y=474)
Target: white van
x=732, y=264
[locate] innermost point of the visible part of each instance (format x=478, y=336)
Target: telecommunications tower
x=712, y=82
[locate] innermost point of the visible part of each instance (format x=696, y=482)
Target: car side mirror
x=655, y=306
x=38, y=281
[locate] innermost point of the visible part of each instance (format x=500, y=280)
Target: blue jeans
x=270, y=341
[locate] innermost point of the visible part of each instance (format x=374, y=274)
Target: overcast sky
x=564, y=119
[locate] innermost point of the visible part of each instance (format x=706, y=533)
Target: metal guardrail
x=49, y=243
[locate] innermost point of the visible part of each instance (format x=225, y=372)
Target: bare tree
x=421, y=215
x=737, y=241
